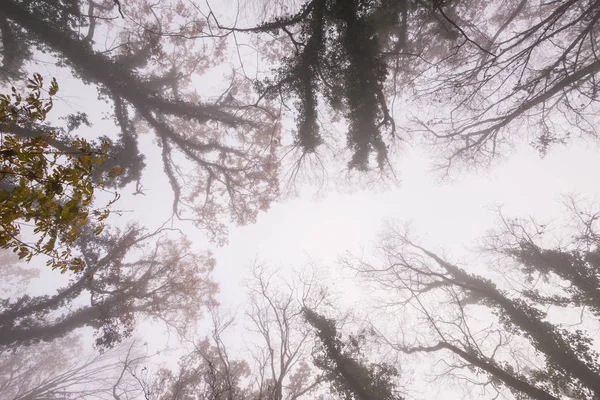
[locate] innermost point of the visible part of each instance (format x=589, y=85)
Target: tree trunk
x=542, y=335
x=19, y=336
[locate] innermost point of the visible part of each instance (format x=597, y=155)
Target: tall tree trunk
x=542, y=334
x=18, y=336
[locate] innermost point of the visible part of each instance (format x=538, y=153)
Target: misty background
x=387, y=199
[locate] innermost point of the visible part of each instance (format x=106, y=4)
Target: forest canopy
x=202, y=118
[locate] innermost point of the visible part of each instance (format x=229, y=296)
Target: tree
x=219, y=156
x=166, y=282
x=59, y=370
x=275, y=366
x=54, y=189
x=207, y=372
x=501, y=337
x=344, y=52
x=473, y=72
x=538, y=68
x=470, y=73
x=574, y=266
x=350, y=377
x=283, y=340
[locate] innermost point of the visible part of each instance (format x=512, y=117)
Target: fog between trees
x=221, y=113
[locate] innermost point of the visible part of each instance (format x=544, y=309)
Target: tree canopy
x=52, y=188
x=168, y=283
x=499, y=329
x=467, y=73
x=147, y=78
x=350, y=377
x=222, y=103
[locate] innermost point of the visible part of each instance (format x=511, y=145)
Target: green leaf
x=115, y=171
x=53, y=190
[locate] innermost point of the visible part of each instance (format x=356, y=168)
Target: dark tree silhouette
x=344, y=52
x=470, y=74
x=502, y=329
x=167, y=283
x=146, y=74
x=350, y=376
x=573, y=266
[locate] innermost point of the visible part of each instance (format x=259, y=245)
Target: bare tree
x=166, y=282
x=535, y=79
x=207, y=372
x=277, y=365
x=490, y=336
x=284, y=343
x=59, y=370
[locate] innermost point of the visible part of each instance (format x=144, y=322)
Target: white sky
x=448, y=215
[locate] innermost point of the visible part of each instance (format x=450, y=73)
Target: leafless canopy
x=500, y=333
